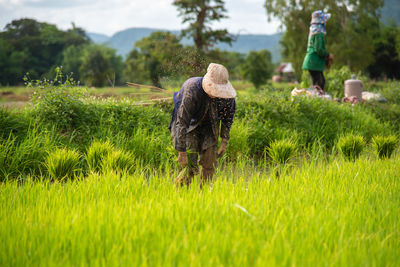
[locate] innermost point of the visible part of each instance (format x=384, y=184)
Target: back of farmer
x=204, y=110
x=317, y=57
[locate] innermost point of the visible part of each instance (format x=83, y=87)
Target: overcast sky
x=111, y=16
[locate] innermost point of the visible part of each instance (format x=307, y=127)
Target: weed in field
x=384, y=146
x=58, y=102
x=351, y=146
x=62, y=163
x=96, y=154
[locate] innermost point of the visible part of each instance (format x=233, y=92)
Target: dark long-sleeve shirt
x=196, y=111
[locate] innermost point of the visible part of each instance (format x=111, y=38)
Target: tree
x=350, y=35
x=258, y=67
x=200, y=14
x=11, y=62
x=386, y=57
x=72, y=60
x=99, y=65
x=36, y=48
x=154, y=57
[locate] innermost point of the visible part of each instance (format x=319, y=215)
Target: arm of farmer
x=320, y=46
x=184, y=116
x=226, y=123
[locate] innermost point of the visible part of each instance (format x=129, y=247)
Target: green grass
x=336, y=214
x=318, y=210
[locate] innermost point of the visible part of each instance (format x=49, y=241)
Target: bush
x=335, y=79
x=309, y=120
x=62, y=163
x=281, y=151
x=351, y=146
x=58, y=102
x=384, y=146
x=96, y=154
x=119, y=161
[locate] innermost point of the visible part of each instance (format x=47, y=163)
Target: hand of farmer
x=182, y=159
x=222, y=148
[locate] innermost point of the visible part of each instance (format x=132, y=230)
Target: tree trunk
x=199, y=38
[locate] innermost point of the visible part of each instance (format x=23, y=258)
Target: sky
x=110, y=16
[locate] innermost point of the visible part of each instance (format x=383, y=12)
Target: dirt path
x=14, y=104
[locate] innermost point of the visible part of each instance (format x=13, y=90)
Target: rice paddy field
x=63, y=203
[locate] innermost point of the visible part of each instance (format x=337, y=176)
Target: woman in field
x=317, y=58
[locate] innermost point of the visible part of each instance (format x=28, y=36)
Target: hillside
x=391, y=11
x=123, y=41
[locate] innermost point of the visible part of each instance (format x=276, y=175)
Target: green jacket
x=316, y=56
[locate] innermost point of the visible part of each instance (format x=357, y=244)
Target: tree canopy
x=27, y=45
x=200, y=14
x=258, y=67
x=153, y=57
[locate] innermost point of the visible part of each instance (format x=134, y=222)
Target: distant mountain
x=98, y=38
x=124, y=41
x=391, y=11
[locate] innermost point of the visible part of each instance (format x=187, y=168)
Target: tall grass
x=336, y=214
x=24, y=155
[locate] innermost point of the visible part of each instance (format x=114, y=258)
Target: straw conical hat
x=216, y=82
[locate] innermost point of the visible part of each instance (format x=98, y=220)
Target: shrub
x=62, y=163
x=96, y=154
x=384, y=146
x=351, y=146
x=119, y=161
x=335, y=79
x=57, y=102
x=281, y=151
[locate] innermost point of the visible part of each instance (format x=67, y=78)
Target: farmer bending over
x=204, y=109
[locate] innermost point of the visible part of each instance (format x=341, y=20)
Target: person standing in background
x=317, y=58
